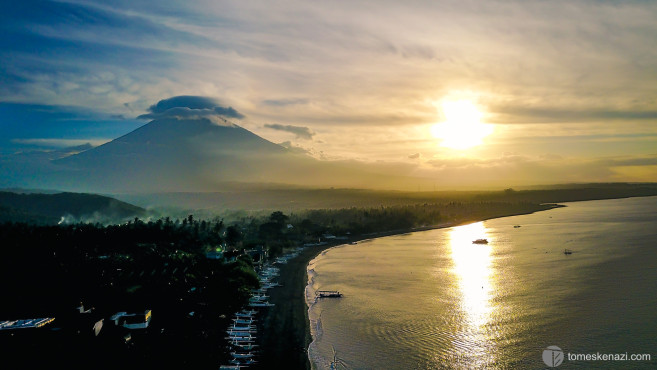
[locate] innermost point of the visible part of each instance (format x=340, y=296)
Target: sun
x=462, y=128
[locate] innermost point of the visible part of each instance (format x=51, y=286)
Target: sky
x=566, y=91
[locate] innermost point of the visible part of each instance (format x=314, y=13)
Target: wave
x=314, y=311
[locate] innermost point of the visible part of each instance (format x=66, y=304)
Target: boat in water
x=567, y=251
x=328, y=294
x=480, y=241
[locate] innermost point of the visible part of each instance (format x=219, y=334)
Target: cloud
x=301, y=132
x=297, y=149
x=61, y=143
x=191, y=102
x=189, y=107
x=508, y=159
x=630, y=161
x=285, y=102
x=557, y=114
x=514, y=170
x=228, y=112
x=333, y=65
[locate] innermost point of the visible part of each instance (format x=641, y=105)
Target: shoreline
x=285, y=328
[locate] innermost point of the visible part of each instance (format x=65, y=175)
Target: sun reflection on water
x=473, y=272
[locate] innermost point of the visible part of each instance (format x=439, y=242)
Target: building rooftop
x=25, y=324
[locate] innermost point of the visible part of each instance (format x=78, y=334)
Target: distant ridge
x=69, y=207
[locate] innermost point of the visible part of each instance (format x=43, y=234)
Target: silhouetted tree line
x=278, y=231
x=357, y=221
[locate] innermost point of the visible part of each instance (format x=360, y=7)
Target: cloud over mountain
x=189, y=107
x=301, y=132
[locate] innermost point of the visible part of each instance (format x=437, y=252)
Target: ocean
x=434, y=300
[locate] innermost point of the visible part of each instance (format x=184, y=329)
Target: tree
x=278, y=217
x=233, y=235
x=270, y=231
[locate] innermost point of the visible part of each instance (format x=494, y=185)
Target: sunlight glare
x=472, y=267
x=462, y=128
x=473, y=272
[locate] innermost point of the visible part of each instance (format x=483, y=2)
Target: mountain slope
x=170, y=155
x=51, y=208
x=189, y=155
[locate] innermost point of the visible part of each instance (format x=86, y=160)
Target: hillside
x=64, y=207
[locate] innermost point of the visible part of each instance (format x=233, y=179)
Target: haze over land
x=444, y=94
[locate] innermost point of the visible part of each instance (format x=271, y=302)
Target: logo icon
x=553, y=356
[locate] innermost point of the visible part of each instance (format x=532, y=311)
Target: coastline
x=285, y=328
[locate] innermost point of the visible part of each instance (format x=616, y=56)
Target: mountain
x=53, y=208
x=197, y=155
x=188, y=155
x=169, y=155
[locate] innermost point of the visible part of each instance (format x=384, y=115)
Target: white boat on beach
x=241, y=355
x=240, y=334
x=242, y=362
x=242, y=342
x=258, y=297
x=260, y=304
x=246, y=346
x=240, y=339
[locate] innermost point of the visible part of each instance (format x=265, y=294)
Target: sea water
x=433, y=299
